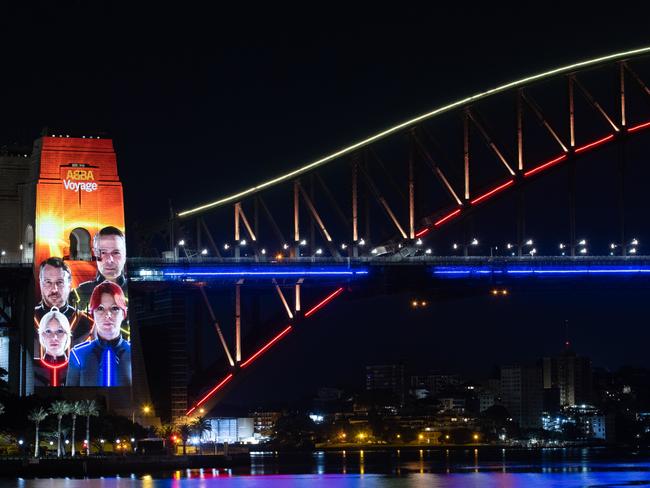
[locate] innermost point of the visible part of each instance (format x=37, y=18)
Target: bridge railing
x=136, y=262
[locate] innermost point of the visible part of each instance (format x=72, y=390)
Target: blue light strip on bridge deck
x=253, y=272
x=465, y=271
x=581, y=271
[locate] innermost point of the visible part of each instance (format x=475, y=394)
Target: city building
x=486, y=400
x=435, y=383
x=263, y=422
x=386, y=378
x=571, y=375
x=587, y=420
x=230, y=430
x=452, y=404
x=521, y=392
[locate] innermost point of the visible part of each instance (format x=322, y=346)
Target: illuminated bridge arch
x=481, y=173
x=609, y=121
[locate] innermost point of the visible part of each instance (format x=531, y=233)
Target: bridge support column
x=622, y=159
x=572, y=206
x=521, y=220
x=238, y=321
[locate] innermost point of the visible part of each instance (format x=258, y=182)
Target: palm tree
x=200, y=426
x=37, y=416
x=89, y=409
x=166, y=431
x=185, y=431
x=60, y=408
x=76, y=408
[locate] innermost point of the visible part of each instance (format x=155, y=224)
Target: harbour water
x=454, y=468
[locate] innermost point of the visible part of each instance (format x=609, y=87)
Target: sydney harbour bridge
x=534, y=184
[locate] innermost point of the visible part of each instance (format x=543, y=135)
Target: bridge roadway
x=443, y=271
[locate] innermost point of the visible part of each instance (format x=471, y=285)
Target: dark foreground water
x=455, y=468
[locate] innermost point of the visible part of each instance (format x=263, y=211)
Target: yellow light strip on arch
x=408, y=123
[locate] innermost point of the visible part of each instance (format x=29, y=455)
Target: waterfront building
x=386, y=378
x=571, y=375
x=230, y=430
x=521, y=390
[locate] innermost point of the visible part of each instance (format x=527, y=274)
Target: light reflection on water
x=449, y=468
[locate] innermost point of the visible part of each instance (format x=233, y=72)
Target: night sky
x=200, y=104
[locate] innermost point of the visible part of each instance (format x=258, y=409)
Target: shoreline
x=115, y=465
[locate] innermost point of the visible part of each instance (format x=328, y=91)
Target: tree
x=88, y=409
x=76, y=408
x=37, y=416
x=167, y=432
x=200, y=426
x=2, y=408
x=59, y=408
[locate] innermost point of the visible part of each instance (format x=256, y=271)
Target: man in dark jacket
x=109, y=247
x=54, y=280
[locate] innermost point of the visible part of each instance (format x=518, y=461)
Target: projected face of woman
x=108, y=317
x=53, y=338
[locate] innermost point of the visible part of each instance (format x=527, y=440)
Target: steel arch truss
x=582, y=123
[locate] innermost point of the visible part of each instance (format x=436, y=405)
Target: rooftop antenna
x=567, y=343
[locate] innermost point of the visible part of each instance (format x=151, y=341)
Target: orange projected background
x=78, y=190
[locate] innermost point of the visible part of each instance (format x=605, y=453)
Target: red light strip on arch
x=492, y=192
x=266, y=346
x=542, y=167
x=324, y=302
x=594, y=144
x=645, y=125
x=447, y=217
x=210, y=393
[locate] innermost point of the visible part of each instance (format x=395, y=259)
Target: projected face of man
x=55, y=286
x=111, y=254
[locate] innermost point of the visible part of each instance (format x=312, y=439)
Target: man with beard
x=110, y=251
x=55, y=278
